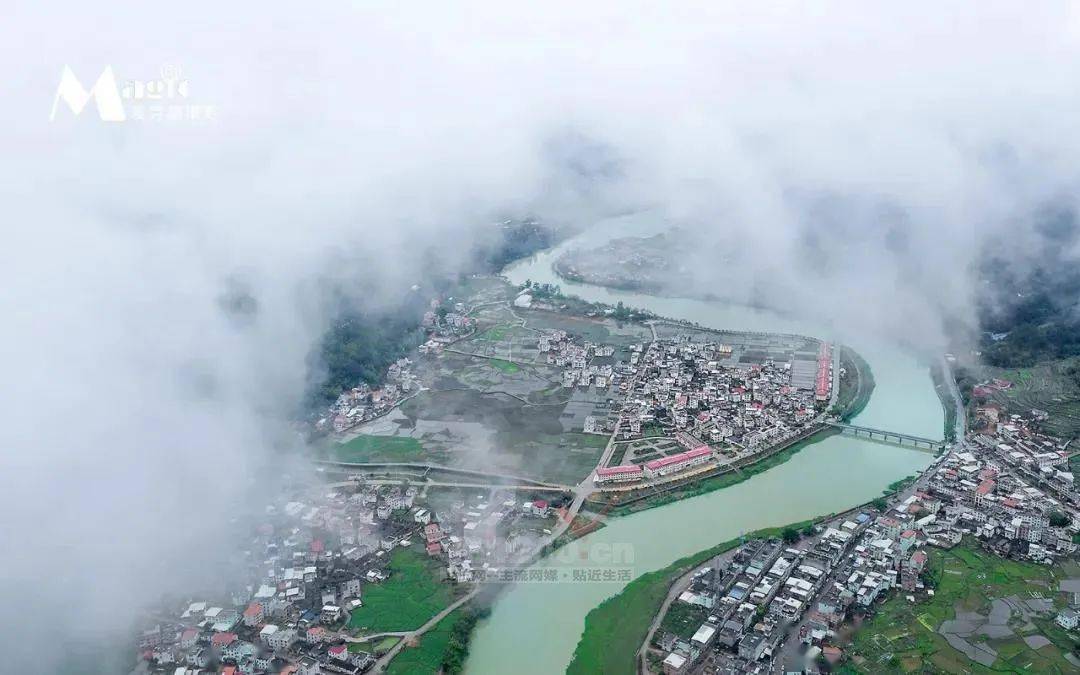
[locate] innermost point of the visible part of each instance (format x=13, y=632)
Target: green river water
x=534, y=627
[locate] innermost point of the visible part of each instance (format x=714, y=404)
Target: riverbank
x=948, y=402
x=719, y=481
x=661, y=583
x=534, y=628
x=617, y=627
x=856, y=385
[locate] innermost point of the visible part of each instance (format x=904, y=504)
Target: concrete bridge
x=889, y=437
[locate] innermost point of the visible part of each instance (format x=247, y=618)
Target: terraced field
x=1048, y=387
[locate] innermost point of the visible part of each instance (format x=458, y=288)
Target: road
x=374, y=636
x=680, y=585
x=432, y=483
x=960, y=430
x=446, y=469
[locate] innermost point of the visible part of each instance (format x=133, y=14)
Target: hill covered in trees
x=362, y=341
x=1030, y=307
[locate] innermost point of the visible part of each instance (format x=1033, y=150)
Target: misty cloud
x=166, y=282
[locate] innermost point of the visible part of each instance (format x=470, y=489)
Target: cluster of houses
x=767, y=597
x=770, y=596
x=306, y=568
x=302, y=575
x=475, y=538
x=683, y=386
x=447, y=323
x=769, y=592
x=559, y=349
x=997, y=502
x=362, y=403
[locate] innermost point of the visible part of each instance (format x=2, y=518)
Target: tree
x=808, y=531
x=1058, y=519
x=880, y=504
x=790, y=535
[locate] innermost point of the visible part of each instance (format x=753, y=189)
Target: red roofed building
x=985, y=488
x=674, y=463
x=434, y=548
x=618, y=474
x=188, y=638
x=823, y=382
x=910, y=570
x=254, y=614
x=340, y=652
x=433, y=533
x=222, y=640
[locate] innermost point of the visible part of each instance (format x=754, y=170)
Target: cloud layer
x=863, y=155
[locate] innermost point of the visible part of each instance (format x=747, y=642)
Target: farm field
x=987, y=615
x=427, y=656
x=370, y=448
x=683, y=620
x=405, y=601
x=1047, y=386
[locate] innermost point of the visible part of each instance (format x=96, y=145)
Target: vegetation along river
x=534, y=627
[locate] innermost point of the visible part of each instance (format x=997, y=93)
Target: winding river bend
x=534, y=627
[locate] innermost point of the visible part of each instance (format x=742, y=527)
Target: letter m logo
x=105, y=93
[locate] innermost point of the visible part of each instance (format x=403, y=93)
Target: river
x=534, y=627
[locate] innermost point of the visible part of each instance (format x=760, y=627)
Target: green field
x=380, y=646
x=443, y=648
x=493, y=334
x=903, y=637
x=405, y=601
x=505, y=367
x=426, y=657
x=615, y=630
x=683, y=619
x=365, y=448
